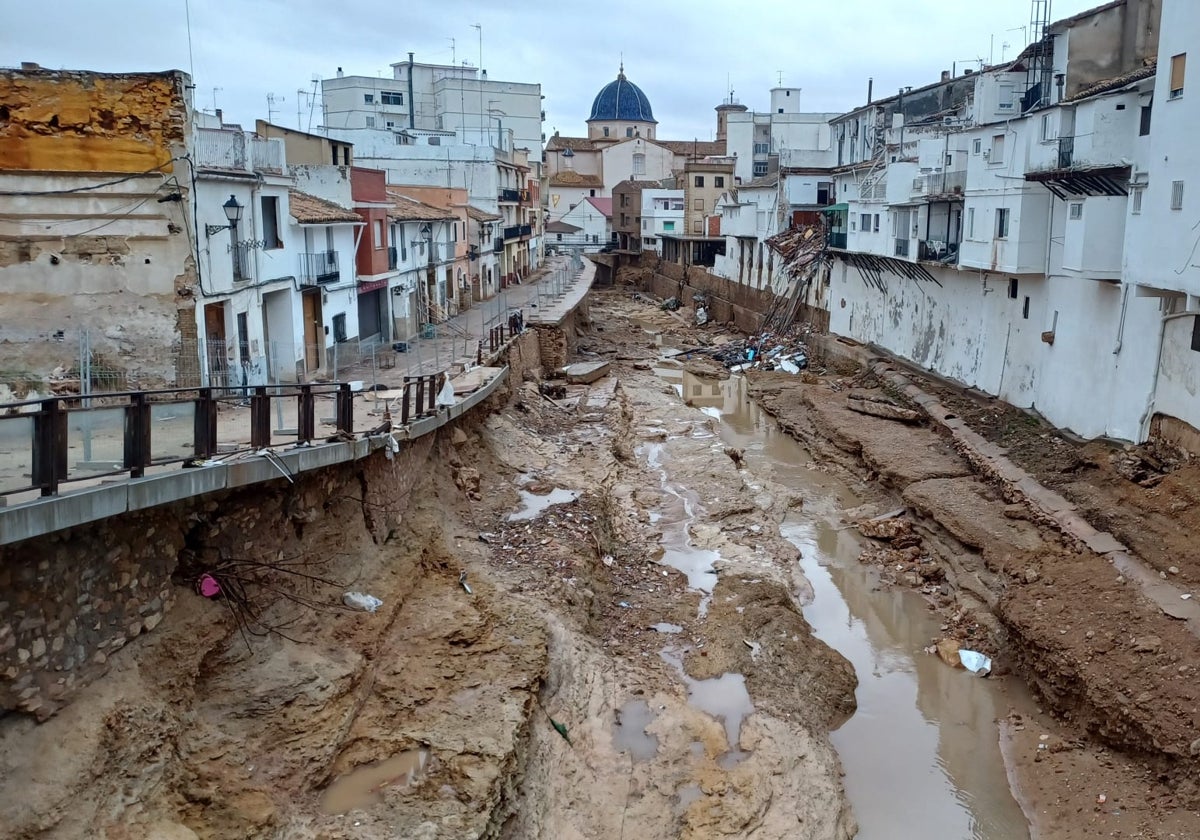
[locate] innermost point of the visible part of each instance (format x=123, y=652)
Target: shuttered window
x=1178, y=64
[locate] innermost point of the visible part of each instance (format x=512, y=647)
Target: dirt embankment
x=567, y=686
x=1115, y=673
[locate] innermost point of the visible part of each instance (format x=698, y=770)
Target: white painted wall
x=595, y=225
x=617, y=162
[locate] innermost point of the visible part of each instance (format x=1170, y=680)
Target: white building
x=750, y=215
x=760, y=138
x=439, y=97
x=662, y=213
x=1014, y=229
x=593, y=217
x=277, y=288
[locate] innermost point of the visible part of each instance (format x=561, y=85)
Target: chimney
x=220, y=118
x=340, y=73
x=30, y=66
x=870, y=87
x=945, y=75
x=484, y=74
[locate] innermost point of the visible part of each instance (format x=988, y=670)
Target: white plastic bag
x=445, y=396
x=975, y=662
x=361, y=601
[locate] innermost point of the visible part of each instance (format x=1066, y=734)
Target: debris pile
x=782, y=350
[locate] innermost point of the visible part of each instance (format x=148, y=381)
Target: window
x=997, y=155
x=668, y=226
x=368, y=98
x=639, y=164
x=877, y=223
x=1012, y=288
x=949, y=161
x=339, y=327
x=1137, y=201
x=378, y=233
x=1144, y=124
x=1025, y=308
x=1046, y=129
x=390, y=125
x=1178, y=64
x=645, y=224
x=865, y=224
x=270, y=222
x=760, y=168
x=699, y=181
x=1196, y=333
x=1002, y=223
x=592, y=193
x=1005, y=102
x=1076, y=211
x=558, y=236
x=698, y=204
x=719, y=181
x=697, y=226
x=629, y=132
x=970, y=223
x=389, y=97
x=976, y=146
x=370, y=122
x=606, y=131
x=1177, y=195
x=624, y=199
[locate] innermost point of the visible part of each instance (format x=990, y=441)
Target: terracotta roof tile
x=697, y=148
x=571, y=178
x=406, y=209
x=477, y=215
x=310, y=210
x=1115, y=83
x=604, y=205
x=561, y=227
x=575, y=144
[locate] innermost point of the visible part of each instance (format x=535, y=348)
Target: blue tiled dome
x=621, y=100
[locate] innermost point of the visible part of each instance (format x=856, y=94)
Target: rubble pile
x=771, y=350
x=800, y=247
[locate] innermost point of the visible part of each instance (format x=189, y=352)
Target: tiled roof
x=636, y=185
x=475, y=214
x=700, y=148
x=406, y=209
x=571, y=178
x=622, y=100
x=561, y=227
x=604, y=205
x=310, y=210
x=579, y=144
x=761, y=181
x=1115, y=83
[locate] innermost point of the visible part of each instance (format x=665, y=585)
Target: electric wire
x=130, y=177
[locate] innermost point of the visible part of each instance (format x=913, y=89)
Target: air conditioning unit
x=947, y=120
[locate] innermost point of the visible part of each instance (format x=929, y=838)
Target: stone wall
x=729, y=301
x=73, y=597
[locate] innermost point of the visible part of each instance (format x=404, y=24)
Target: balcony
x=236, y=150
x=526, y=230
x=1066, y=152
x=510, y=196
x=512, y=232
x=393, y=258
x=837, y=240
x=498, y=246
x=242, y=264
x=319, y=268
x=937, y=250
x=940, y=184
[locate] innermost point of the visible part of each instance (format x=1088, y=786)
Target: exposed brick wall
x=729, y=301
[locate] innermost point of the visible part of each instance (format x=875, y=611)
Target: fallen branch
x=881, y=409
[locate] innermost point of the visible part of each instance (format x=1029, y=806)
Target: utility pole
x=478, y=75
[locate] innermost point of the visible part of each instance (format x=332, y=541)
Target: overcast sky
x=680, y=54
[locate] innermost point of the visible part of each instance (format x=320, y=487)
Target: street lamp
x=233, y=212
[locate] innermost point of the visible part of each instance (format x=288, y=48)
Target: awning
x=372, y=285
x=835, y=208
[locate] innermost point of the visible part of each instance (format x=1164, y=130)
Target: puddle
x=724, y=697
x=533, y=505
x=363, y=786
x=924, y=742
x=687, y=794
x=629, y=731
x=677, y=514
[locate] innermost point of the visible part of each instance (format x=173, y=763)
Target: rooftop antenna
x=780, y=73
x=312, y=99
x=187, y=14
x=479, y=28
x=271, y=106
x=216, y=90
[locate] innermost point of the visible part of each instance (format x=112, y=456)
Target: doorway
x=314, y=331
x=214, y=345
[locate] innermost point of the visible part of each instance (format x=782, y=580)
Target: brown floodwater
x=922, y=752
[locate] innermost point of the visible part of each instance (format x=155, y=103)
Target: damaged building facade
x=1022, y=228
x=96, y=250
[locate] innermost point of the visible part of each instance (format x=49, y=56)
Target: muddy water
x=364, y=786
x=921, y=754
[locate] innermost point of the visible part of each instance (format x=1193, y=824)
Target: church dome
x=621, y=100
